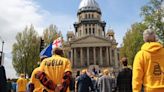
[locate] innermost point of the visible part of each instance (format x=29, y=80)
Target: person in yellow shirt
x=21, y=83
x=148, y=66
x=55, y=72
x=34, y=84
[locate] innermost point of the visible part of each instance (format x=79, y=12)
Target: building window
x=85, y=25
x=86, y=31
x=92, y=16
x=98, y=17
x=80, y=33
x=93, y=30
x=89, y=16
x=89, y=30
x=85, y=16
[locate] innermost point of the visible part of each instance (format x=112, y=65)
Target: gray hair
x=149, y=35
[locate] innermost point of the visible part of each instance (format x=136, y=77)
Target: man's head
x=106, y=72
x=149, y=35
x=58, y=51
x=124, y=61
x=22, y=75
x=84, y=71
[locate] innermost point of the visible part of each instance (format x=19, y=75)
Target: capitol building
x=91, y=43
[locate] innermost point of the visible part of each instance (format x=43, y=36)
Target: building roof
x=89, y=5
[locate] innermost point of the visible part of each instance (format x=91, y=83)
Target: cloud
x=16, y=14
x=62, y=21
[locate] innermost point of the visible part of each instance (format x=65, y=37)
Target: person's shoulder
x=46, y=59
x=64, y=58
x=129, y=69
x=102, y=77
x=36, y=70
x=140, y=52
x=19, y=79
x=78, y=78
x=163, y=49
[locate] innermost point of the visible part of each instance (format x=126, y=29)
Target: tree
x=50, y=34
x=132, y=41
x=153, y=14
x=26, y=51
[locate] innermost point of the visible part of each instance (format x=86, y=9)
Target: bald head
x=149, y=35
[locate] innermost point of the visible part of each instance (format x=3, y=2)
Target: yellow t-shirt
x=21, y=84
x=38, y=87
x=55, y=67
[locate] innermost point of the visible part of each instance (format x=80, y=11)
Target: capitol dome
x=89, y=5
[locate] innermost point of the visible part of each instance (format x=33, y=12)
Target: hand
x=57, y=89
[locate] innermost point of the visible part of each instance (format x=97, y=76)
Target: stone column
x=94, y=55
x=75, y=60
x=91, y=30
x=101, y=62
x=111, y=62
x=107, y=56
x=81, y=56
x=72, y=57
x=88, y=56
x=116, y=57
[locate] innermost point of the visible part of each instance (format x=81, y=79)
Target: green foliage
x=152, y=17
x=50, y=34
x=132, y=42
x=153, y=14
x=26, y=51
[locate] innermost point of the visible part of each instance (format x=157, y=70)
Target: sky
x=16, y=14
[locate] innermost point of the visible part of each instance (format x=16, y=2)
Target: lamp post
x=2, y=53
x=2, y=45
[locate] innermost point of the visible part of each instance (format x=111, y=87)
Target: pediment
x=90, y=39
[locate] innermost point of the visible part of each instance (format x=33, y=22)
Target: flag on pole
x=48, y=50
x=57, y=43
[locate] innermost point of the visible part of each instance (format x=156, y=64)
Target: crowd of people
x=55, y=74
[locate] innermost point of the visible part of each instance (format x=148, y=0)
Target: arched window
x=89, y=16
